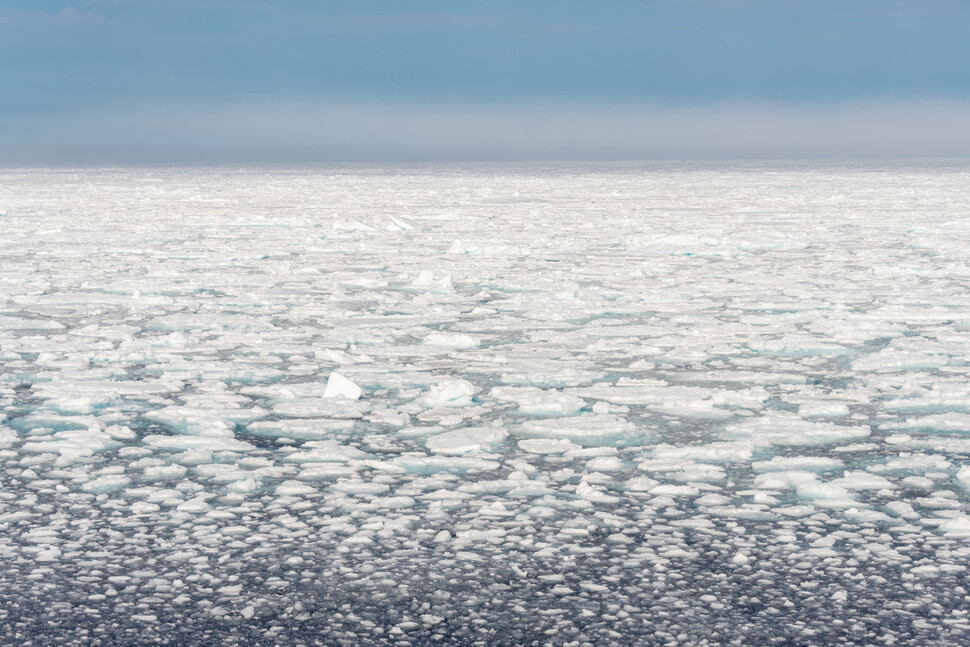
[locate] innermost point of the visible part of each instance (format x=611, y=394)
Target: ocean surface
x=496, y=405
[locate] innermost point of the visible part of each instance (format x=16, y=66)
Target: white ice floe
x=782, y=428
x=950, y=422
x=399, y=224
x=546, y=445
x=339, y=386
x=455, y=341
x=466, y=440
x=534, y=401
x=451, y=393
x=585, y=429
x=432, y=281
x=806, y=463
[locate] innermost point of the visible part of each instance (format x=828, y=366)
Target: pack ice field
x=485, y=405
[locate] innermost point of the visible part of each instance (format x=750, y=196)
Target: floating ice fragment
x=957, y=527
x=326, y=452
x=796, y=346
x=164, y=472
x=807, y=463
x=192, y=421
x=434, y=464
x=331, y=407
x=456, y=341
x=862, y=480
x=352, y=225
x=244, y=486
x=453, y=393
x=340, y=357
x=594, y=494
x=555, y=379
x=667, y=489
x=586, y=429
x=547, y=445
x=533, y=401
x=20, y=323
x=892, y=359
x=717, y=452
x=828, y=495
x=604, y=464
x=311, y=429
x=196, y=505
x=208, y=443
x=107, y=483
x=433, y=281
x=399, y=224
x=294, y=488
x=784, y=428
x=467, y=440
x=823, y=409
x=339, y=386
x=943, y=422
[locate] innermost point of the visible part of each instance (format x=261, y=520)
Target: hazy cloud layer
x=381, y=131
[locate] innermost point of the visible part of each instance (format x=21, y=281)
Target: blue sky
x=248, y=80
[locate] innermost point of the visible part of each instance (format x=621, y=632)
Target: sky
x=301, y=81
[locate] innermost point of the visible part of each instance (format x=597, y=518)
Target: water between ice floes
x=578, y=405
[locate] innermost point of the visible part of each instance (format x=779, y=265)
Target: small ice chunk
x=784, y=428
x=198, y=504
x=192, y=421
x=466, y=441
x=823, y=409
x=594, y=494
x=207, y=443
x=456, y=341
x=453, y=393
x=7, y=437
x=352, y=225
x=433, y=281
x=604, y=464
x=20, y=323
x=862, y=480
x=107, y=483
x=893, y=359
x=807, y=463
x=297, y=429
x=964, y=476
x=399, y=224
x=534, y=401
x=290, y=488
x=325, y=451
x=586, y=429
x=547, y=445
x=164, y=472
x=339, y=386
x=950, y=422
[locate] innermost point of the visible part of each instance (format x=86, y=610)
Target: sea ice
x=577, y=404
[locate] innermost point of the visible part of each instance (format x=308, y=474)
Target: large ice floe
x=584, y=405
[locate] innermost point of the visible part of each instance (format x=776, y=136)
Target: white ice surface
x=610, y=405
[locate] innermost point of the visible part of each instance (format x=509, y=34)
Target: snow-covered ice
x=574, y=405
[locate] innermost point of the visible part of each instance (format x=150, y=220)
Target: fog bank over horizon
x=382, y=131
